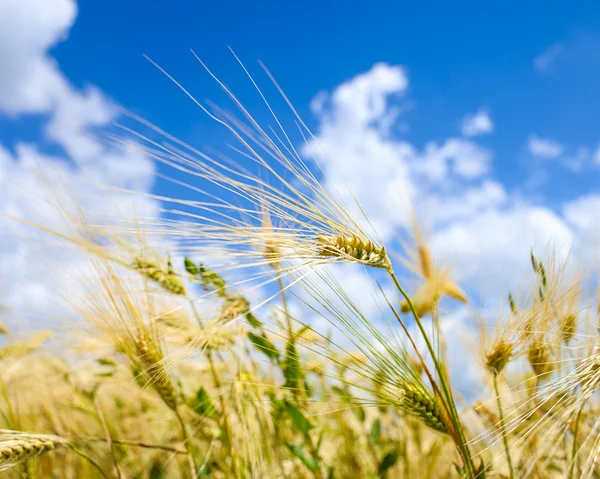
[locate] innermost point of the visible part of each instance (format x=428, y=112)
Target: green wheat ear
x=165, y=278
x=425, y=408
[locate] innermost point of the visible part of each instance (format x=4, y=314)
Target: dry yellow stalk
x=425, y=260
x=272, y=249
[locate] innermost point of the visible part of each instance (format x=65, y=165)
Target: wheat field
x=219, y=338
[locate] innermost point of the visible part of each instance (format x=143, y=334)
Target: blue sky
x=483, y=116
x=458, y=59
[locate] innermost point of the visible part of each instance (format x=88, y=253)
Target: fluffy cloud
x=477, y=226
x=31, y=81
x=361, y=159
x=476, y=124
x=33, y=270
x=455, y=156
x=583, y=214
x=350, y=137
x=491, y=249
x=544, y=147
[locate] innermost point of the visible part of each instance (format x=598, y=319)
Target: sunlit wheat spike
x=353, y=248
x=539, y=358
x=156, y=373
x=18, y=447
x=305, y=222
x=437, y=281
x=499, y=356
x=555, y=412
x=568, y=327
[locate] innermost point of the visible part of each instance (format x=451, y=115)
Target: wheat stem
x=125, y=442
x=460, y=440
x=285, y=306
x=503, y=430
x=109, y=440
x=218, y=385
x=574, y=448
x=188, y=444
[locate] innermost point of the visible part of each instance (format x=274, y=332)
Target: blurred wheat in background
x=259, y=322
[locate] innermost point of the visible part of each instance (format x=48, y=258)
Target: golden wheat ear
x=353, y=248
x=499, y=356
x=17, y=447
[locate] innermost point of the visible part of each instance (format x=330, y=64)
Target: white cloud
x=30, y=80
x=387, y=174
x=583, y=214
x=34, y=271
x=480, y=229
x=456, y=156
x=71, y=119
x=363, y=99
x=544, y=147
x=442, y=208
x=476, y=124
x=373, y=167
x=545, y=62
x=491, y=249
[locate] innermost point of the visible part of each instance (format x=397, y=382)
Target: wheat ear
x=16, y=447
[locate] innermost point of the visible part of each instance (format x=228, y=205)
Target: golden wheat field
x=259, y=322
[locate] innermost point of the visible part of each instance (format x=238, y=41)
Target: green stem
x=290, y=327
x=109, y=440
x=503, y=431
x=462, y=444
x=188, y=445
x=196, y=313
x=218, y=385
x=285, y=307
